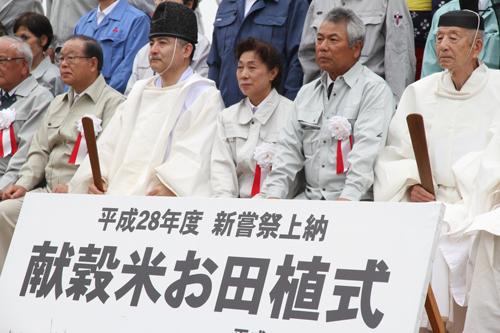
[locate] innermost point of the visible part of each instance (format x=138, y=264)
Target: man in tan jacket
x=55, y=141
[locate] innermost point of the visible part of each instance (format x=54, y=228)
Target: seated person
x=337, y=123
x=23, y=105
x=35, y=29
x=55, y=139
x=459, y=107
x=142, y=68
x=160, y=140
x=251, y=125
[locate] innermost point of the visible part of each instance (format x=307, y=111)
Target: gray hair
x=355, y=28
x=22, y=48
x=471, y=33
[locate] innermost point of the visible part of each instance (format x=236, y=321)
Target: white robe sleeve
x=396, y=169
x=186, y=172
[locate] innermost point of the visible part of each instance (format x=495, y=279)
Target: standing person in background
x=36, y=31
x=63, y=16
x=142, y=68
x=421, y=15
x=11, y=9
x=389, y=45
x=278, y=22
x=490, y=54
x=121, y=30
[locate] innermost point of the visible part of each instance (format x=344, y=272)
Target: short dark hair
x=267, y=53
x=38, y=24
x=91, y=48
x=195, y=3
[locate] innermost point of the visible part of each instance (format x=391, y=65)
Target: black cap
x=462, y=19
x=174, y=20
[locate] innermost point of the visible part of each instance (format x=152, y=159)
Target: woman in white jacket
x=247, y=132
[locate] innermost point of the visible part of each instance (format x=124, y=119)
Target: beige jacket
x=239, y=131
x=55, y=139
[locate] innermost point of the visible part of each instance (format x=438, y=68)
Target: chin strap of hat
x=173, y=55
x=473, y=41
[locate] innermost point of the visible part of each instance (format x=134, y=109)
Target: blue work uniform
x=490, y=54
x=121, y=34
x=278, y=22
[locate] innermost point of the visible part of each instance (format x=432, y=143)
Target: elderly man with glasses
x=23, y=104
x=57, y=146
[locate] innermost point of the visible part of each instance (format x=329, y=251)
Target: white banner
x=81, y=263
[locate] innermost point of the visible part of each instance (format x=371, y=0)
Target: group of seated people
x=338, y=137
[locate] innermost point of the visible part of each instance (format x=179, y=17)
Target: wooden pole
x=419, y=143
x=88, y=129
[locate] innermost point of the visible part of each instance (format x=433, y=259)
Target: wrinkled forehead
x=73, y=46
x=459, y=31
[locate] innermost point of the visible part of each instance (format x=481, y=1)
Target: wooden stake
x=417, y=133
x=88, y=129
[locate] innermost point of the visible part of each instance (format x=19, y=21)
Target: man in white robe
x=459, y=106
x=159, y=142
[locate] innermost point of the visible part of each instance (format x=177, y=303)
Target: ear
x=273, y=73
x=478, y=47
x=190, y=4
x=187, y=50
x=43, y=40
x=357, y=49
x=94, y=64
x=25, y=71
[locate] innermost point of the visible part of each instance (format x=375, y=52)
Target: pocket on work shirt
x=224, y=30
x=237, y=136
x=310, y=124
x=270, y=29
x=112, y=49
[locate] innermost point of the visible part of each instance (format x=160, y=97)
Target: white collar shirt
x=102, y=14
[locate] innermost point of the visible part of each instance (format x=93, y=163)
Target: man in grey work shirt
x=389, y=48
x=20, y=92
x=347, y=104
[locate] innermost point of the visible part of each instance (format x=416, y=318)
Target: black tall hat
x=462, y=19
x=174, y=20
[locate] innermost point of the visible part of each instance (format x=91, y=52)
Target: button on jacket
x=305, y=140
x=278, y=22
x=55, y=139
x=121, y=34
x=239, y=131
x=389, y=47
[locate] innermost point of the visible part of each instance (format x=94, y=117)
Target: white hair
x=22, y=48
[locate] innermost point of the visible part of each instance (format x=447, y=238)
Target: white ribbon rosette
x=264, y=155
x=8, y=144
x=341, y=130
x=80, y=150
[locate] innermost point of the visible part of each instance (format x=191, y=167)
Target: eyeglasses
x=3, y=60
x=70, y=59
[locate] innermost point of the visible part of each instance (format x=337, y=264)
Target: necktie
x=330, y=88
x=4, y=97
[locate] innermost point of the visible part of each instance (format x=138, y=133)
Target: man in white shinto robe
x=459, y=106
x=160, y=141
